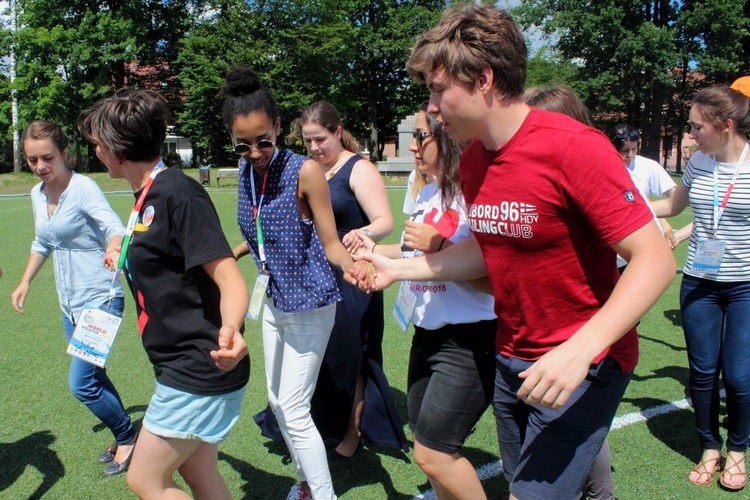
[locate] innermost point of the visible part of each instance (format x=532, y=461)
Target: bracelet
x=373, y=248
x=441, y=244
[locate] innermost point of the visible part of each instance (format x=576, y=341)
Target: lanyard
x=257, y=205
x=132, y=221
x=719, y=208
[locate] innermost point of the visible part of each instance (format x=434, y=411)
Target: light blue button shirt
x=77, y=234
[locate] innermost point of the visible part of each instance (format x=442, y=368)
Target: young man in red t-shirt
x=549, y=205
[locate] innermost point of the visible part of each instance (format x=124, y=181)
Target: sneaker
x=297, y=493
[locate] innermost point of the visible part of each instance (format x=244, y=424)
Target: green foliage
x=633, y=54
x=351, y=53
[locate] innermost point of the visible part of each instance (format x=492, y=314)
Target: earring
x=119, y=162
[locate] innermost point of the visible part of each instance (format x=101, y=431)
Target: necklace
x=332, y=171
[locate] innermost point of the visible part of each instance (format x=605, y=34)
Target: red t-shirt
x=544, y=209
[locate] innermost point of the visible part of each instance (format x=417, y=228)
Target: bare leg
x=201, y=473
x=156, y=459
x=453, y=474
x=348, y=446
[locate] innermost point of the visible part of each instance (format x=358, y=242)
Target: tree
x=632, y=53
x=74, y=52
x=351, y=53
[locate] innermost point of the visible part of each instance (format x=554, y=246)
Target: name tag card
x=708, y=256
x=94, y=334
x=404, y=306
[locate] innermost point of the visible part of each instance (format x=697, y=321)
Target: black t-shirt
x=176, y=300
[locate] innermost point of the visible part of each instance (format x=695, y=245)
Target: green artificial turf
x=49, y=441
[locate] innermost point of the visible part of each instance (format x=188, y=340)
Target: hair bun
x=242, y=80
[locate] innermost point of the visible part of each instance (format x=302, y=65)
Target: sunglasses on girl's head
x=626, y=136
x=242, y=148
x=420, y=136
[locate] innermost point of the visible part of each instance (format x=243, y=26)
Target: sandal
x=702, y=469
x=735, y=465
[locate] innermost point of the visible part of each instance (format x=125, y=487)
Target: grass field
x=49, y=441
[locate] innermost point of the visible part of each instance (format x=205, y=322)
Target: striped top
x=734, y=225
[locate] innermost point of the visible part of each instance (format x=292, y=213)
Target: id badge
x=708, y=256
x=258, y=297
x=404, y=306
x=94, y=334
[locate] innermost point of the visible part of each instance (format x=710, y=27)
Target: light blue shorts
x=177, y=414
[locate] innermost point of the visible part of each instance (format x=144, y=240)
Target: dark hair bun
x=242, y=80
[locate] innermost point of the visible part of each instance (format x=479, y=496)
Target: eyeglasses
x=420, y=136
x=243, y=148
x=633, y=135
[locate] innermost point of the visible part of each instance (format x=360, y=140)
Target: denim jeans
x=91, y=385
x=716, y=320
x=293, y=347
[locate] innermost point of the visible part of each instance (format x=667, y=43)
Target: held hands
x=421, y=236
x=669, y=235
x=354, y=241
x=363, y=274
x=553, y=378
x=384, y=274
x=232, y=348
x=364, y=244
x=111, y=256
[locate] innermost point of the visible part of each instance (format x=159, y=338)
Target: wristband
x=373, y=248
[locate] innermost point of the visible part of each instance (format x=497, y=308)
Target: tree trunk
x=652, y=134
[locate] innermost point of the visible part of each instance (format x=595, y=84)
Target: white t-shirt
x=651, y=180
x=410, y=202
x=649, y=177
x=734, y=225
x=444, y=302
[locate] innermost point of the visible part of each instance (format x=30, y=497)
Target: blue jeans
x=716, y=320
x=91, y=385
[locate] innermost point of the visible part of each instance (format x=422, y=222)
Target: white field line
x=494, y=469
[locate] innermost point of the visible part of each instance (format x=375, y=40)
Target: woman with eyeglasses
x=351, y=380
x=715, y=290
x=452, y=360
x=285, y=216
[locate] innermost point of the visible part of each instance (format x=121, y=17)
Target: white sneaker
x=297, y=493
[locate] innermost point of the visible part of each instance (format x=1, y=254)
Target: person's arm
x=424, y=237
x=651, y=268
x=683, y=234
x=233, y=305
x=669, y=207
x=112, y=252
x=369, y=189
x=98, y=208
x=313, y=187
x=367, y=245
x=460, y=262
x=668, y=232
x=18, y=296
x=240, y=250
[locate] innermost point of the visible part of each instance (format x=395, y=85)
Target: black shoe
x=108, y=455
x=114, y=468
x=336, y=457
